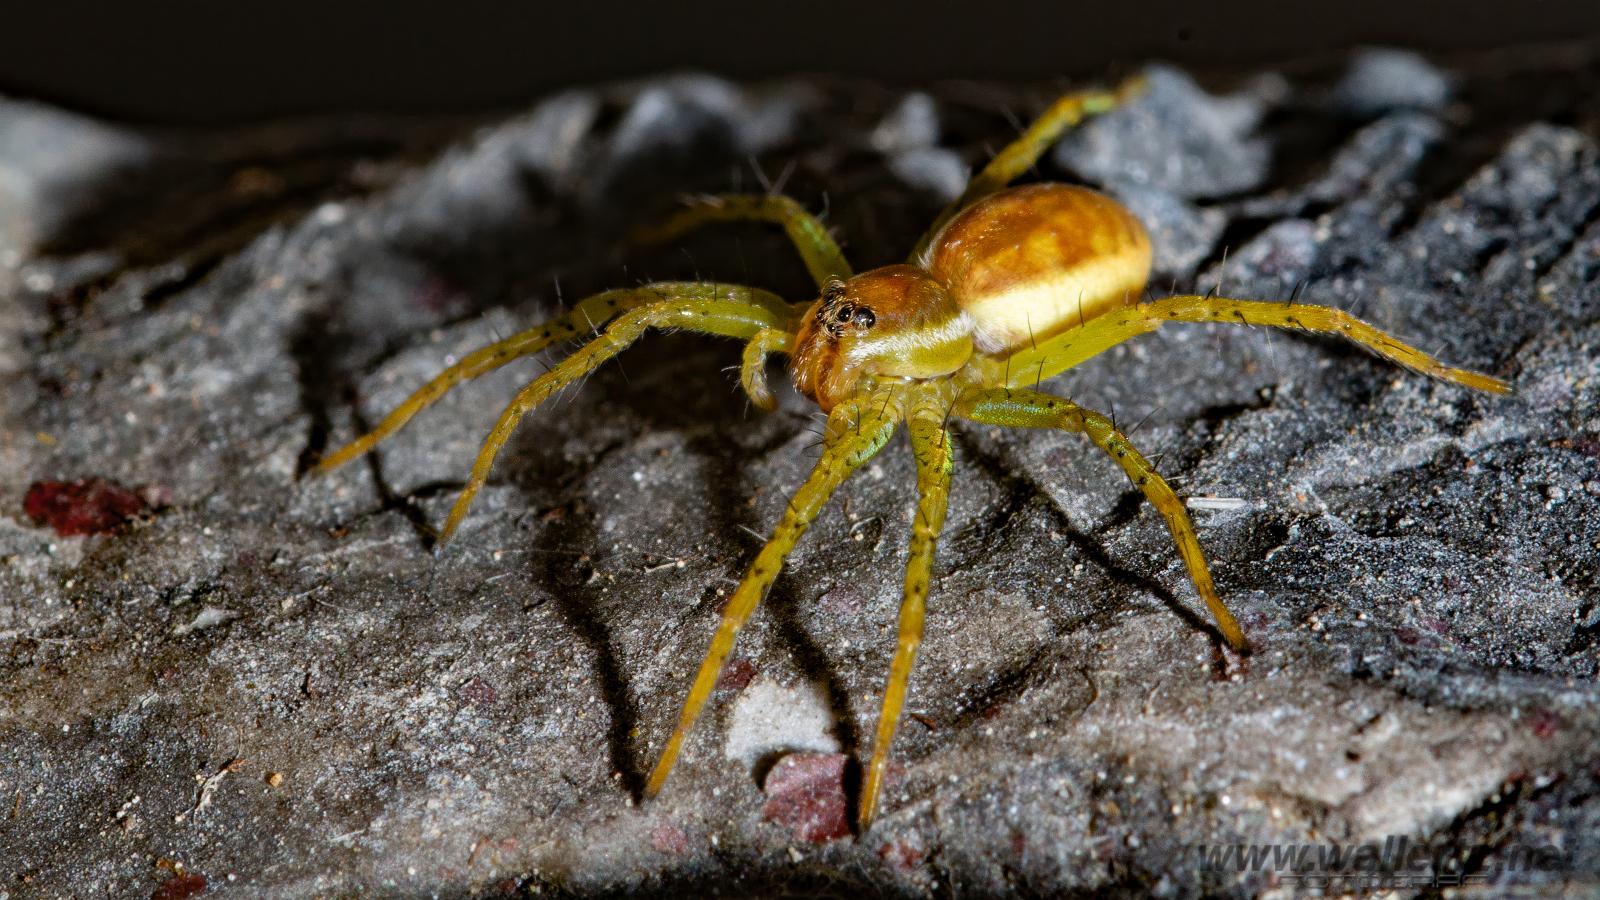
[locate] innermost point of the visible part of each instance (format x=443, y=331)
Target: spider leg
x=584, y=318
x=1021, y=154
x=930, y=443
x=753, y=372
x=706, y=307
x=1031, y=409
x=857, y=430
x=1073, y=346
x=817, y=248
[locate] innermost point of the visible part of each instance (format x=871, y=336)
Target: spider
x=1008, y=287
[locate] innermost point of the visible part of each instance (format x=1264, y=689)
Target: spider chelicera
x=1008, y=287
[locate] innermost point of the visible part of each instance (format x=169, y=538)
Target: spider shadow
x=783, y=610
x=578, y=608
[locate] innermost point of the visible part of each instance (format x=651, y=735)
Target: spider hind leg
x=817, y=249
x=1031, y=409
x=1017, y=157
x=1075, y=345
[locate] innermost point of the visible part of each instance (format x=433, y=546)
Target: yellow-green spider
x=1008, y=287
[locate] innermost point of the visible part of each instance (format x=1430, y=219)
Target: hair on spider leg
x=761, y=175
x=694, y=265
x=1140, y=424
x=1012, y=119
x=783, y=176
x=1272, y=355
x=760, y=538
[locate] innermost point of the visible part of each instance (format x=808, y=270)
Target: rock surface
x=266, y=685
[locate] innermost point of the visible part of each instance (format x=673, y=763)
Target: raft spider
x=1008, y=287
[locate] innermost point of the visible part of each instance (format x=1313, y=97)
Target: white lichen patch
x=770, y=718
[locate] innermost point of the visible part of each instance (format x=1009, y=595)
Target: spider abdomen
x=1027, y=262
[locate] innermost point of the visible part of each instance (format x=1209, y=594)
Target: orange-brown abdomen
x=1028, y=262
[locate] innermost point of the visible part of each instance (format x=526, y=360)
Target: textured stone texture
x=269, y=682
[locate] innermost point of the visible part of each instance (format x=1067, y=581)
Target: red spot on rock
x=1228, y=664
x=901, y=855
x=1587, y=444
x=805, y=793
x=84, y=506
x=1019, y=843
x=737, y=675
x=181, y=886
x=843, y=600
x=477, y=692
x=437, y=296
x=1545, y=722
x=669, y=838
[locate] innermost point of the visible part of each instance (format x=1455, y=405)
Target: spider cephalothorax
x=895, y=322
x=1007, y=288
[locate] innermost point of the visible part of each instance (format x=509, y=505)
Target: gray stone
x=1178, y=138
x=271, y=680
x=1383, y=79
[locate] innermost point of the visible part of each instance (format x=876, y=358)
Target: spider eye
x=844, y=313
x=863, y=318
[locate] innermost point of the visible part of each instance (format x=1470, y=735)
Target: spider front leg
x=1031, y=409
x=817, y=249
x=584, y=318
x=1073, y=346
x=707, y=307
x=930, y=443
x=857, y=430
x=1021, y=154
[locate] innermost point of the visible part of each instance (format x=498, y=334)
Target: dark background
x=192, y=63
